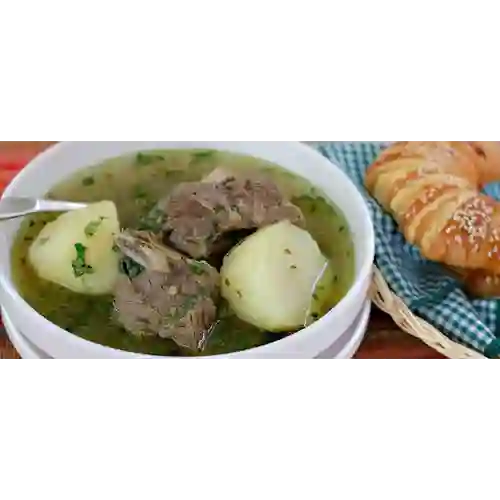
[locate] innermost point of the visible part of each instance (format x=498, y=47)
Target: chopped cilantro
x=92, y=227
x=189, y=303
x=153, y=221
x=88, y=181
x=145, y=159
x=198, y=268
x=198, y=155
x=178, y=313
x=80, y=266
x=140, y=193
x=130, y=268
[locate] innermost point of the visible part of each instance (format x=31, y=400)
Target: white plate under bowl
x=349, y=343
x=345, y=347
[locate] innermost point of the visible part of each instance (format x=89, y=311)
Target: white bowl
x=344, y=348
x=62, y=160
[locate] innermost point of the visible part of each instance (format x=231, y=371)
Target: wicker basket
x=387, y=301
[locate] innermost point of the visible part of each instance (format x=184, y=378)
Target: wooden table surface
x=384, y=340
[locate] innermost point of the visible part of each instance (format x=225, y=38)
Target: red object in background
x=391, y=350
x=385, y=340
x=16, y=155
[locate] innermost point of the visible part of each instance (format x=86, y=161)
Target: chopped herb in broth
x=204, y=154
x=88, y=181
x=93, y=227
x=135, y=192
x=80, y=266
x=233, y=335
x=145, y=159
x=130, y=268
x=152, y=221
x=140, y=192
x=198, y=268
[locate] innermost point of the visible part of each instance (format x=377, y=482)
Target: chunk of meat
x=201, y=215
x=173, y=297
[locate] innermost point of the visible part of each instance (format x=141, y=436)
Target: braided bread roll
x=432, y=189
x=479, y=284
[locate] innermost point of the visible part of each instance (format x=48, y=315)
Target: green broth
x=135, y=183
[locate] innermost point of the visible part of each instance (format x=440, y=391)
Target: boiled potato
x=77, y=250
x=269, y=279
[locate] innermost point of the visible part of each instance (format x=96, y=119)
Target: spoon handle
x=12, y=207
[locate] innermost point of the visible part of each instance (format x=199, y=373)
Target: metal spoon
x=13, y=207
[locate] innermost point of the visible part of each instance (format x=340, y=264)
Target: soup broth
x=135, y=183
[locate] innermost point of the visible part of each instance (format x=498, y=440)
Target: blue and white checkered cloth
x=424, y=286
